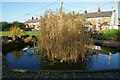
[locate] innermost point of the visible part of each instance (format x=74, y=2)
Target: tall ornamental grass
x=63, y=37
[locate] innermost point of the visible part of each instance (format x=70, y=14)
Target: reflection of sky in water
x=32, y=61
x=101, y=62
x=25, y=61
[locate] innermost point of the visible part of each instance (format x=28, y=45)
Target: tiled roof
x=96, y=14
x=88, y=15
x=32, y=21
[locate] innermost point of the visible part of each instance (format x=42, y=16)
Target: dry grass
x=63, y=37
x=15, y=31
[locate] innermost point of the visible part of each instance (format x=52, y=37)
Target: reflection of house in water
x=96, y=47
x=99, y=48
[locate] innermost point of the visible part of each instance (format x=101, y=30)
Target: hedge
x=111, y=33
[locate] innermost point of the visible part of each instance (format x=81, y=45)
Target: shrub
x=27, y=29
x=111, y=33
x=94, y=27
x=63, y=37
x=15, y=31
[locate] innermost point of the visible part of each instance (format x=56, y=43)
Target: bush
x=5, y=26
x=111, y=33
x=27, y=29
x=63, y=37
x=15, y=31
x=94, y=27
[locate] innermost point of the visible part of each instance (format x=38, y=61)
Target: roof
x=89, y=23
x=32, y=21
x=88, y=15
x=96, y=14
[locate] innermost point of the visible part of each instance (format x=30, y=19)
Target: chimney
x=85, y=12
x=32, y=18
x=73, y=13
x=36, y=18
x=99, y=10
x=41, y=17
x=114, y=10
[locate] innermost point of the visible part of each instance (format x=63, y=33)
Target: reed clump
x=63, y=37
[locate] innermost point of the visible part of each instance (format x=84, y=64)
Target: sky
x=23, y=11
x=119, y=9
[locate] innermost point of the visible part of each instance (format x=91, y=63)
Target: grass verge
x=31, y=33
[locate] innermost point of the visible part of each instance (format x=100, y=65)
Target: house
x=119, y=20
x=32, y=24
x=95, y=19
x=118, y=23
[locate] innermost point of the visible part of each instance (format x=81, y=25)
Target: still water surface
x=26, y=59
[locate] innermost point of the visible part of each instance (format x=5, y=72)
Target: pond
x=26, y=59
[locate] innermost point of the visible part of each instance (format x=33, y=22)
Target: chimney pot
x=85, y=12
x=73, y=13
x=99, y=10
x=114, y=10
x=32, y=18
x=36, y=18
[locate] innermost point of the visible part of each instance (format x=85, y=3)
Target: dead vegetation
x=62, y=37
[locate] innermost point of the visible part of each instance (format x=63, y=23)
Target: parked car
x=37, y=28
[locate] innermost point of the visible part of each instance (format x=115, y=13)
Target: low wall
x=9, y=39
x=15, y=45
x=113, y=44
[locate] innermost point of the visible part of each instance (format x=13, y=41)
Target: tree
x=4, y=25
x=18, y=24
x=15, y=23
x=0, y=26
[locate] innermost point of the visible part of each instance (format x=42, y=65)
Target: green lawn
x=31, y=33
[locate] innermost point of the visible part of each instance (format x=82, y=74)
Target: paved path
x=107, y=43
x=7, y=73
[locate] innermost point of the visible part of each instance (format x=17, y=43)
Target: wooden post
x=61, y=10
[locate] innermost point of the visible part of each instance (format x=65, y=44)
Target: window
x=98, y=25
x=98, y=20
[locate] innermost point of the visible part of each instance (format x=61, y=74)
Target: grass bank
x=31, y=33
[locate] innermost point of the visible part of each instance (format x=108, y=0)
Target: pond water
x=26, y=59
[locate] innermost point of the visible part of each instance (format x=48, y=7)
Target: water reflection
x=17, y=54
x=24, y=60
x=102, y=48
x=109, y=60
x=103, y=61
x=96, y=47
x=32, y=61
